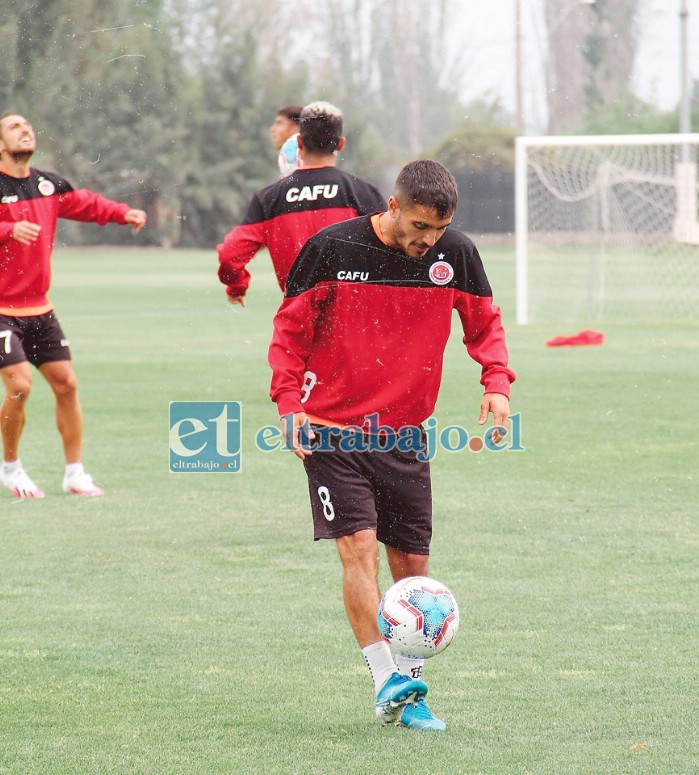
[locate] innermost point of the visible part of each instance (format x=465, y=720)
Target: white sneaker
x=81, y=484
x=20, y=485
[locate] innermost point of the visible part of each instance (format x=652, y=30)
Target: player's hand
x=292, y=426
x=499, y=406
x=236, y=300
x=136, y=218
x=26, y=232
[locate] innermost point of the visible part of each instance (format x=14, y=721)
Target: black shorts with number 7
x=34, y=338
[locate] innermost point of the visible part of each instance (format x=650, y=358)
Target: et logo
x=205, y=436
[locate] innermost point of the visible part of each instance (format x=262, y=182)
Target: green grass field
x=612, y=283
x=187, y=623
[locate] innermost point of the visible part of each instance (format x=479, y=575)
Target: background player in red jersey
x=361, y=333
x=284, y=215
x=31, y=201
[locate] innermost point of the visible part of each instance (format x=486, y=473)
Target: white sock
x=409, y=666
x=10, y=468
x=380, y=663
x=73, y=469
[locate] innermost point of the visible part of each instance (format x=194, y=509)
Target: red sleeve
x=294, y=329
x=484, y=338
x=6, y=228
x=237, y=249
x=85, y=205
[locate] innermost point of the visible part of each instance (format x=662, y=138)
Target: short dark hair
x=292, y=112
x=320, y=127
x=427, y=183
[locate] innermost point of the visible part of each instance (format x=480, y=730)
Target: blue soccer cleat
x=395, y=695
x=419, y=716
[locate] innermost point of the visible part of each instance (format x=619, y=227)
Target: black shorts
x=389, y=492
x=34, y=338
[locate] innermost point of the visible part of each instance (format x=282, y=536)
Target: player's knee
x=359, y=549
x=65, y=385
x=18, y=389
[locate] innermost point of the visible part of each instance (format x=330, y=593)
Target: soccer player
x=358, y=342
x=284, y=215
x=31, y=202
x=285, y=131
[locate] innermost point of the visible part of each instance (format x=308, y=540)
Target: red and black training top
x=284, y=215
x=363, y=327
x=42, y=198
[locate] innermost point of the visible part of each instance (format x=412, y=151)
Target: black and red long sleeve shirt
x=363, y=327
x=284, y=215
x=42, y=198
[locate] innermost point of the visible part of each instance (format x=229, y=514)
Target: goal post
x=607, y=227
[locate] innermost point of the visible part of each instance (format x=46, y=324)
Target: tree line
x=166, y=103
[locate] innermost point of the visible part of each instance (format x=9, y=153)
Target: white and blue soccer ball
x=418, y=617
x=289, y=159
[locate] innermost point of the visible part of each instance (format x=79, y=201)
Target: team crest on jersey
x=441, y=273
x=46, y=187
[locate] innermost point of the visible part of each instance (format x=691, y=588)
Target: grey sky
x=489, y=57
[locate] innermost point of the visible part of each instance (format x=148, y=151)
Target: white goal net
x=607, y=228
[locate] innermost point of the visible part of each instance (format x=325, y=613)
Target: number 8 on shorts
x=328, y=509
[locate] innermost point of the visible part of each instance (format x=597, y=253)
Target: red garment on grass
x=588, y=336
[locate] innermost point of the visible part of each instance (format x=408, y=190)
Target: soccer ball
x=418, y=617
